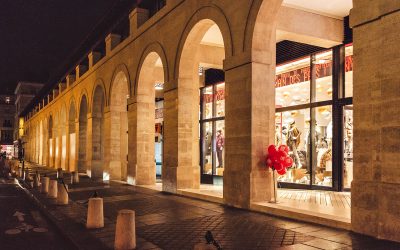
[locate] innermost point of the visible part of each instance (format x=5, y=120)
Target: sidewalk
x=165, y=221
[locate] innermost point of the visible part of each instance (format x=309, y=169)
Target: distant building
x=24, y=93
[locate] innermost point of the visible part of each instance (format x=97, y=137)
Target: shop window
x=323, y=76
x=292, y=83
x=212, y=129
x=348, y=145
x=348, y=88
x=321, y=145
x=293, y=130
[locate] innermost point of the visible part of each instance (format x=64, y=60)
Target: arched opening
x=51, y=148
x=83, y=110
x=119, y=128
x=149, y=135
x=97, y=150
x=63, y=138
x=201, y=84
x=72, y=137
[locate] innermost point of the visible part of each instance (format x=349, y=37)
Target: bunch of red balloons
x=278, y=158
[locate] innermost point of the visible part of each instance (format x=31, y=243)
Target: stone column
x=181, y=143
x=249, y=128
x=375, y=188
x=110, y=167
x=67, y=146
x=77, y=157
x=89, y=146
x=141, y=142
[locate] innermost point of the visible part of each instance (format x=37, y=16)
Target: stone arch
x=96, y=152
x=120, y=69
x=117, y=127
x=192, y=54
x=72, y=117
x=152, y=71
x=157, y=48
x=82, y=136
x=259, y=35
x=215, y=15
x=99, y=84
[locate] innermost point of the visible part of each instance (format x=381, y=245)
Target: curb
x=49, y=216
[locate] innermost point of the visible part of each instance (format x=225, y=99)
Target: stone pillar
x=55, y=93
x=249, y=128
x=80, y=70
x=112, y=40
x=181, y=143
x=137, y=17
x=111, y=171
x=70, y=80
x=93, y=58
x=141, y=141
x=375, y=190
x=89, y=146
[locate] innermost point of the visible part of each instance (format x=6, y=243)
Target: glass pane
x=220, y=147
x=322, y=149
x=207, y=102
x=220, y=100
x=292, y=83
x=323, y=76
x=292, y=129
x=348, y=146
x=207, y=147
x=348, y=87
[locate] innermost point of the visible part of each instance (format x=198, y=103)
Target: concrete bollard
x=30, y=184
x=26, y=175
x=95, y=217
x=75, y=177
x=45, y=185
x=125, y=232
x=52, y=189
x=62, y=195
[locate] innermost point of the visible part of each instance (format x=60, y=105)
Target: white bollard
x=45, y=185
x=125, y=232
x=52, y=189
x=75, y=177
x=62, y=195
x=95, y=217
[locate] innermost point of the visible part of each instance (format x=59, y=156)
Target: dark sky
x=37, y=35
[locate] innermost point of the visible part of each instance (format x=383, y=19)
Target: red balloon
x=288, y=162
x=271, y=149
x=278, y=166
x=284, y=148
x=282, y=172
x=281, y=155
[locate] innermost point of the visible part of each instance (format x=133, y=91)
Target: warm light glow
x=159, y=85
x=106, y=176
x=131, y=180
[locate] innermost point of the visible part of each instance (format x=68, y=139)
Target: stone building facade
x=101, y=119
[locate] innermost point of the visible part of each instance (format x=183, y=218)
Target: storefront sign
x=303, y=74
x=219, y=96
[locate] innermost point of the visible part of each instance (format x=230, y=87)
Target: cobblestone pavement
x=165, y=221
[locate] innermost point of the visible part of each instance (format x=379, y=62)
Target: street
x=22, y=225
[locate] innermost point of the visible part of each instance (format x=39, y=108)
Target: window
x=212, y=129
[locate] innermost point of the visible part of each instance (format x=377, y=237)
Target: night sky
x=36, y=36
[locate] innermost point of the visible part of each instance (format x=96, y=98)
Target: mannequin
x=293, y=141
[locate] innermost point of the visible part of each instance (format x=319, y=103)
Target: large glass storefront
x=314, y=119
x=212, y=129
